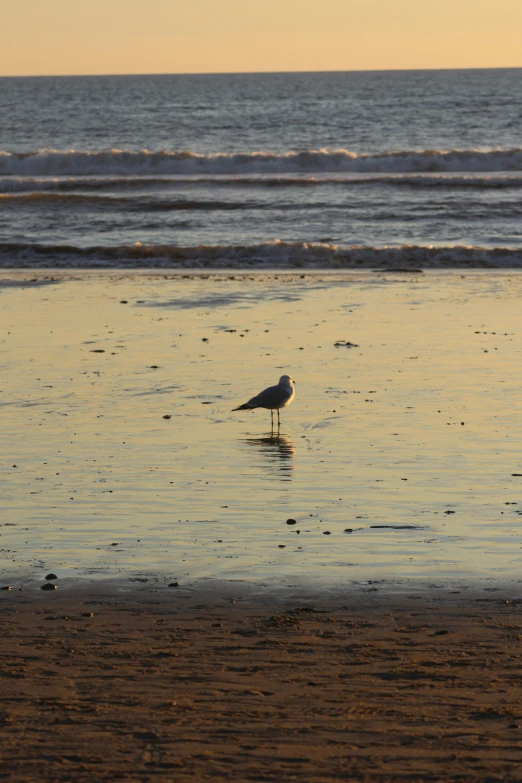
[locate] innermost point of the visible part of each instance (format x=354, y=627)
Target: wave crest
x=48, y=162
x=265, y=255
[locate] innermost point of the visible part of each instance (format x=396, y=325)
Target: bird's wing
x=273, y=397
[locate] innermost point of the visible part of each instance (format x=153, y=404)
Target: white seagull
x=273, y=399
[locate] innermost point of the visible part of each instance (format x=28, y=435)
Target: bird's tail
x=245, y=407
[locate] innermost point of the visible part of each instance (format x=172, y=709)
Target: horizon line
x=260, y=73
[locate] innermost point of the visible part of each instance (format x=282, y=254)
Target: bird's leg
x=272, y=419
x=278, y=421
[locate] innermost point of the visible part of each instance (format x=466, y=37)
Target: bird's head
x=286, y=380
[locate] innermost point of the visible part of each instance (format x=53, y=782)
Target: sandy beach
x=142, y=688
x=377, y=639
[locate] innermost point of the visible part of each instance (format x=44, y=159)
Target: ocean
x=314, y=170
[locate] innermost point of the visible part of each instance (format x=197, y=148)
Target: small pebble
x=174, y=584
x=124, y=301
x=48, y=586
x=326, y=533
x=291, y=521
x=51, y=576
x=167, y=416
x=87, y=614
x=348, y=530
x=6, y=587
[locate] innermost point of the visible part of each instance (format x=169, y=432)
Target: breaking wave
x=49, y=162
x=266, y=255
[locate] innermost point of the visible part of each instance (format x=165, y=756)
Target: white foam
x=265, y=255
x=53, y=163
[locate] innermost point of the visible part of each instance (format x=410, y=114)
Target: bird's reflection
x=278, y=449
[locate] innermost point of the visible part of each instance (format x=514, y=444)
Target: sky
x=218, y=36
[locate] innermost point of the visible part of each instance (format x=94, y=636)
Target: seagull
x=273, y=399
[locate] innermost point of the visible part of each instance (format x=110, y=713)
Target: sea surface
x=332, y=170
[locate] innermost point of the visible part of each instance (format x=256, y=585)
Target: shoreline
x=164, y=591
x=352, y=273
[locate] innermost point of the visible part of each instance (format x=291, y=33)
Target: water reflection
x=278, y=451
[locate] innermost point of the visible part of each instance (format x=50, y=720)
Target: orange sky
x=205, y=36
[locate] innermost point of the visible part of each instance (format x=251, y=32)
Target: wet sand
x=139, y=687
x=121, y=456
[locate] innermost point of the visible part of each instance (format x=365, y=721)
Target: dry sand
x=155, y=689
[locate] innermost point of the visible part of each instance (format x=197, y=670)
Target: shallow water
x=409, y=440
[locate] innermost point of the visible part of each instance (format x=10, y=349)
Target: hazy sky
x=190, y=36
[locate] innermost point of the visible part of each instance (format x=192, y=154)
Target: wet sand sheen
x=408, y=439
